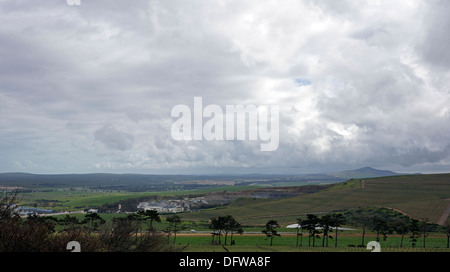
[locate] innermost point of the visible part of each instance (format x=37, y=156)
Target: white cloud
x=91, y=87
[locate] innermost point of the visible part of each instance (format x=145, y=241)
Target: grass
x=288, y=244
x=420, y=196
x=214, y=248
x=79, y=198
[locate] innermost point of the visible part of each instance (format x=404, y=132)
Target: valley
x=250, y=200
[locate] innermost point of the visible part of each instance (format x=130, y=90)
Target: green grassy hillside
x=424, y=197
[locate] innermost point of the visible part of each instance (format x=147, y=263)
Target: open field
x=287, y=243
x=202, y=248
x=75, y=192
x=79, y=198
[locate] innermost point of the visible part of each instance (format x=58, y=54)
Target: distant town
x=172, y=206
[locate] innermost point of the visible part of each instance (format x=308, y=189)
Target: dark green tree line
x=225, y=225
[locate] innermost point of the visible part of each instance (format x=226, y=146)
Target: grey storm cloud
x=435, y=45
x=115, y=139
x=91, y=87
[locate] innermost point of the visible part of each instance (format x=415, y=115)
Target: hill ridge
x=423, y=197
x=366, y=172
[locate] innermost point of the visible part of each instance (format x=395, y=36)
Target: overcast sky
x=90, y=88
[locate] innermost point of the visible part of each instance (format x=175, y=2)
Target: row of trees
x=224, y=225
x=315, y=226
x=383, y=222
x=328, y=226
x=312, y=223
x=370, y=219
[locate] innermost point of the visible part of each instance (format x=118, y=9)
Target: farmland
x=287, y=243
x=252, y=202
x=74, y=192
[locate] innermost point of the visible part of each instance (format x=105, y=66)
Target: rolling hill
x=424, y=197
x=365, y=172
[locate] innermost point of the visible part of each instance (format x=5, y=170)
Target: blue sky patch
x=303, y=82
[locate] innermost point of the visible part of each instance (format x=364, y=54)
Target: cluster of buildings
x=25, y=211
x=172, y=206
